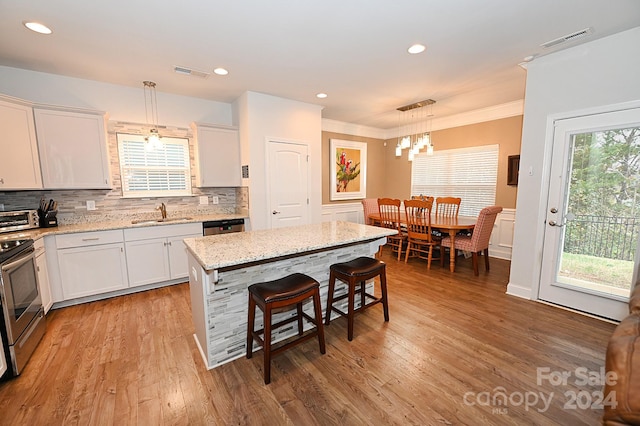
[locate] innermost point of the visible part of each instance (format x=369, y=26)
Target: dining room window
x=468, y=173
x=162, y=171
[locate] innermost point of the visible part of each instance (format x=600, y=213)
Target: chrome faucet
x=163, y=210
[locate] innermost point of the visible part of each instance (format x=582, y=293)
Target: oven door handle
x=22, y=258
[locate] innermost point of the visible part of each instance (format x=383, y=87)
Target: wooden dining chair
x=389, y=209
x=445, y=207
x=370, y=205
x=478, y=241
x=420, y=242
x=448, y=206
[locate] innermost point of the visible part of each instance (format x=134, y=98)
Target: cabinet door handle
x=91, y=239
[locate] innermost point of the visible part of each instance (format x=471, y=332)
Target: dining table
x=446, y=224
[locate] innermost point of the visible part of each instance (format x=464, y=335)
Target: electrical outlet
x=215, y=200
x=91, y=205
x=204, y=200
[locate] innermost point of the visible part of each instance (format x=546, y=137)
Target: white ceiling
x=354, y=50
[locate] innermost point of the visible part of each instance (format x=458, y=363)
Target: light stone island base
x=219, y=298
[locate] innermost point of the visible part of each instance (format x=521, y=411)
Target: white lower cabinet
x=91, y=263
x=178, y=262
x=157, y=253
x=43, y=275
x=147, y=261
x=87, y=264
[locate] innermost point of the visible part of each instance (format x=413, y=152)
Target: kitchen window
x=468, y=173
x=163, y=171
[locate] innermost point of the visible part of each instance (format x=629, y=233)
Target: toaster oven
x=18, y=220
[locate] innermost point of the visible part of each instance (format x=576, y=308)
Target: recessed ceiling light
x=37, y=27
x=221, y=71
x=321, y=95
x=416, y=48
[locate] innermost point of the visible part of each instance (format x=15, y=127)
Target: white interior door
x=287, y=187
x=590, y=256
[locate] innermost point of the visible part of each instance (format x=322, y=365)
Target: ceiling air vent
x=191, y=72
x=568, y=37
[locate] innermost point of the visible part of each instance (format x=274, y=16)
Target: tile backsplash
x=72, y=204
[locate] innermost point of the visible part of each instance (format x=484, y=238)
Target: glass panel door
x=593, y=213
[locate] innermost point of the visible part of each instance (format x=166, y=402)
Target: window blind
x=164, y=171
x=468, y=173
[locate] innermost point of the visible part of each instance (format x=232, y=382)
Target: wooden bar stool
x=288, y=291
x=356, y=271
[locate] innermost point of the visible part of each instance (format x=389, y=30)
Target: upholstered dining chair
x=389, y=209
x=420, y=242
x=478, y=241
x=369, y=205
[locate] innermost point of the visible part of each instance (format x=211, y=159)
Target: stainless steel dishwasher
x=215, y=227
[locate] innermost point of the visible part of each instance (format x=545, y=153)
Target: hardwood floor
x=453, y=345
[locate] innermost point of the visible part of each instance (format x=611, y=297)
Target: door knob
x=553, y=223
x=275, y=212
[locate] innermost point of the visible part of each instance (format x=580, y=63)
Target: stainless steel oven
x=22, y=320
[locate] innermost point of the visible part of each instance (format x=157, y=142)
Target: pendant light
x=415, y=118
x=153, y=140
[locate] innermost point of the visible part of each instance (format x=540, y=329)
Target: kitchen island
x=221, y=268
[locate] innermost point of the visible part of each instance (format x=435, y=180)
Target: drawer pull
x=91, y=239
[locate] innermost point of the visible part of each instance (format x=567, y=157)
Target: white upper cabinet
x=19, y=163
x=73, y=149
x=217, y=153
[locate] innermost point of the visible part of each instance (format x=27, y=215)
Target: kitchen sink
x=175, y=219
x=169, y=219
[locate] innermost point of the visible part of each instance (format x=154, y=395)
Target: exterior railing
x=602, y=236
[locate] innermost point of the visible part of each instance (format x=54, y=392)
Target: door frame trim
x=546, y=170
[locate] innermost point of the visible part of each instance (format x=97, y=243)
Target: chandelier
x=415, y=119
x=153, y=138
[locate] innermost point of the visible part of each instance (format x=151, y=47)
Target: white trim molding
x=501, y=241
x=495, y=112
x=348, y=212
x=342, y=127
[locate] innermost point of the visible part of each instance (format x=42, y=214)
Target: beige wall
x=390, y=176
x=375, y=165
x=506, y=132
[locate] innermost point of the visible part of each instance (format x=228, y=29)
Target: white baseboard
x=518, y=291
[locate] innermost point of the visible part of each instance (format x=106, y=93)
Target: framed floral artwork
x=348, y=171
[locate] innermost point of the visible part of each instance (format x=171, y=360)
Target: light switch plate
x=204, y=200
x=215, y=200
x=91, y=205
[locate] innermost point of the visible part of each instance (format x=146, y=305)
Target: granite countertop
x=218, y=251
x=114, y=224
